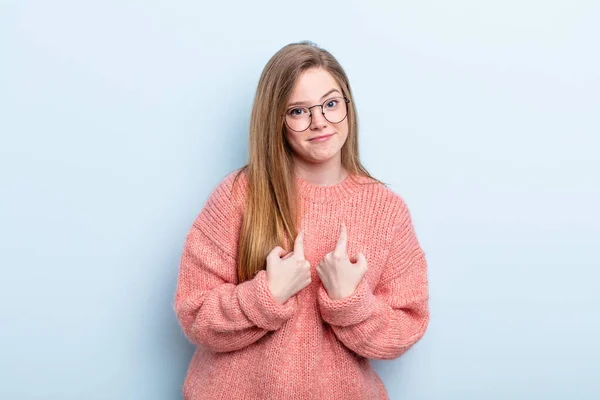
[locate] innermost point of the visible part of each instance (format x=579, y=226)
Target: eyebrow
x=305, y=102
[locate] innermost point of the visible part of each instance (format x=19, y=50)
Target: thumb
x=278, y=250
x=361, y=260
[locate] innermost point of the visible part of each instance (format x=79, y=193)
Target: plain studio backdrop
x=117, y=119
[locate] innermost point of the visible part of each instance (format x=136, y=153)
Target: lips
x=318, y=137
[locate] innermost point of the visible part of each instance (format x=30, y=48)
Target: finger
x=277, y=251
x=340, y=247
x=299, y=244
x=361, y=260
x=288, y=255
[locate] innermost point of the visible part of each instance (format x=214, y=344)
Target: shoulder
x=384, y=199
x=221, y=216
x=230, y=193
x=400, y=214
x=402, y=241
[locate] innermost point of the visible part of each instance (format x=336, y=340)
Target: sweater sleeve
x=385, y=322
x=214, y=311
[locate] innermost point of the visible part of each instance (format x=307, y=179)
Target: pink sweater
x=311, y=347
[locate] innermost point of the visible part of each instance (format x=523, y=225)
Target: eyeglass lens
x=299, y=118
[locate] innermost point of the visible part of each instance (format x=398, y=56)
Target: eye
x=296, y=112
x=332, y=103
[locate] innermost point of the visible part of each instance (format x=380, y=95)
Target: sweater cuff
x=350, y=310
x=260, y=306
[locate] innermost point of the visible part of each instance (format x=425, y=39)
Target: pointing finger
x=299, y=244
x=340, y=247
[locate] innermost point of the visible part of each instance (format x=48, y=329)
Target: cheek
x=296, y=144
x=343, y=131
x=292, y=140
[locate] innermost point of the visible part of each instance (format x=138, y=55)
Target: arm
x=214, y=311
x=385, y=322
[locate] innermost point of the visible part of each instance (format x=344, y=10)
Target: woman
x=275, y=318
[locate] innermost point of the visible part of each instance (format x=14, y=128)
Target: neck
x=328, y=173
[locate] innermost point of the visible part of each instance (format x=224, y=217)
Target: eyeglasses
x=334, y=110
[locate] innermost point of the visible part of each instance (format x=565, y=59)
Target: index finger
x=299, y=244
x=340, y=247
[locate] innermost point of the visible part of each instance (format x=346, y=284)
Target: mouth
x=321, y=137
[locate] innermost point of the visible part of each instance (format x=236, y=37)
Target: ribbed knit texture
x=311, y=347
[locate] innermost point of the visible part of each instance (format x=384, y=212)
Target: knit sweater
x=248, y=346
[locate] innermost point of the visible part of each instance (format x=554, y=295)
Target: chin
x=323, y=158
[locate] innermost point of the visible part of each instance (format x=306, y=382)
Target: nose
x=318, y=118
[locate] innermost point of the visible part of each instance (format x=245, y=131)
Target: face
x=316, y=86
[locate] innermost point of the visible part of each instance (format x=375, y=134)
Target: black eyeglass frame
x=346, y=100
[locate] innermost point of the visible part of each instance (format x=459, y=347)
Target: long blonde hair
x=271, y=212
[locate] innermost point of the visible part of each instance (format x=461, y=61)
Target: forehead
x=312, y=84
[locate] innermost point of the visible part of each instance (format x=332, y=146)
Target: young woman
x=300, y=267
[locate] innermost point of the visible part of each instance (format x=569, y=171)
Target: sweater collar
x=328, y=193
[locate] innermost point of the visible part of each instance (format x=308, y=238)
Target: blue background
x=117, y=118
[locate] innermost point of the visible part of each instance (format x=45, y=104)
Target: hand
x=288, y=275
x=339, y=275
